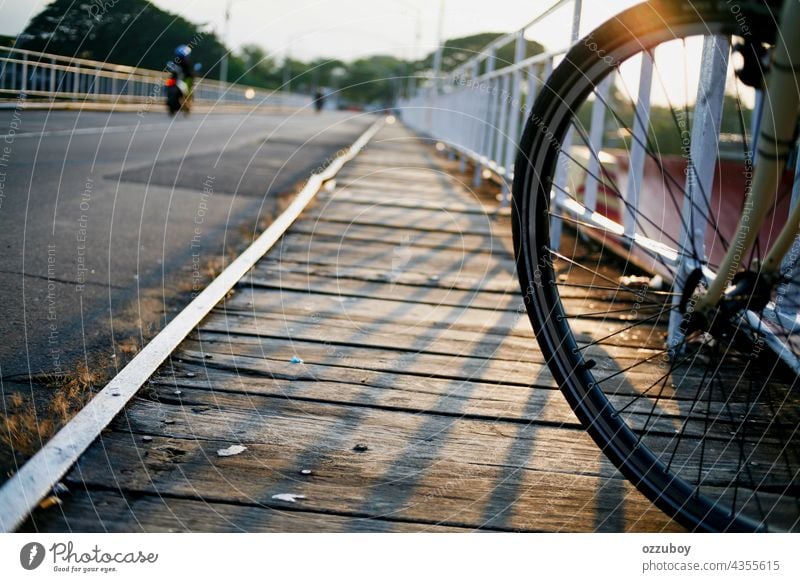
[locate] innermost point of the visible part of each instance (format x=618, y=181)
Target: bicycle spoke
x=593, y=272
x=601, y=288
x=623, y=330
x=624, y=310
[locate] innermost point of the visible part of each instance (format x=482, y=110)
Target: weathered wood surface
x=421, y=402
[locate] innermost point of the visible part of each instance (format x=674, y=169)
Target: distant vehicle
x=319, y=100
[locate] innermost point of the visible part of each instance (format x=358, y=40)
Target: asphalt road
x=102, y=215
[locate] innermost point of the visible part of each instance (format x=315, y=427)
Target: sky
x=347, y=29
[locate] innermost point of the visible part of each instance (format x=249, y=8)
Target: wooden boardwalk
x=377, y=365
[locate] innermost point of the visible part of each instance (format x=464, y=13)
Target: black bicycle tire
x=639, y=28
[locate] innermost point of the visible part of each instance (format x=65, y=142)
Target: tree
x=376, y=80
x=128, y=32
x=260, y=69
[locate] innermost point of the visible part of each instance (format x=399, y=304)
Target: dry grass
x=128, y=347
x=26, y=426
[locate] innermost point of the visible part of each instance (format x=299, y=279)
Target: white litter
x=290, y=497
x=231, y=450
x=656, y=282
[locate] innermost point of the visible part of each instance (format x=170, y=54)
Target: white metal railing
x=58, y=77
x=479, y=109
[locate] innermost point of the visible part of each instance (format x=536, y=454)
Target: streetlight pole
x=223, y=66
x=433, y=90
x=287, y=66
x=417, y=39
x=437, y=56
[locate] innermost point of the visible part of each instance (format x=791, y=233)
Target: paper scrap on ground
x=231, y=450
x=290, y=497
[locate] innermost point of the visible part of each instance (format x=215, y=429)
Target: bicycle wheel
x=707, y=427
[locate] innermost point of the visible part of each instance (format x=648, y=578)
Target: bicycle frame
x=777, y=134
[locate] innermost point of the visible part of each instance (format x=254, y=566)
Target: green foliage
x=128, y=32
x=375, y=80
x=258, y=68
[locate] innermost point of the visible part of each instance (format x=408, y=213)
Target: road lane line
x=93, y=130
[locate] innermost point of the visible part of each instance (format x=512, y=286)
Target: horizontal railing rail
x=57, y=77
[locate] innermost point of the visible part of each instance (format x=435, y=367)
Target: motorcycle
x=176, y=91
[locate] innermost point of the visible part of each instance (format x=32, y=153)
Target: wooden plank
x=397, y=257
x=499, y=283
x=400, y=198
x=418, y=314
x=388, y=336
x=389, y=217
x=100, y=511
x=384, y=390
x=273, y=355
x=396, y=335
x=432, y=240
x=420, y=395
x=504, y=283
x=439, y=295
x=411, y=180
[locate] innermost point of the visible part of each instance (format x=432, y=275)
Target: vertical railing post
x=562, y=175
x=52, y=77
x=462, y=117
x=465, y=123
x=705, y=142
x=534, y=80
x=700, y=170
x=24, y=80
x=475, y=108
x=493, y=125
x=13, y=73
x=3, y=67
x=594, y=168
x=503, y=106
x=484, y=123
x=638, y=149
x=512, y=131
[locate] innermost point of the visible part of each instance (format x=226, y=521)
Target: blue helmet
x=183, y=51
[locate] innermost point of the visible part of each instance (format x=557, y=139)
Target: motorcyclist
x=184, y=62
